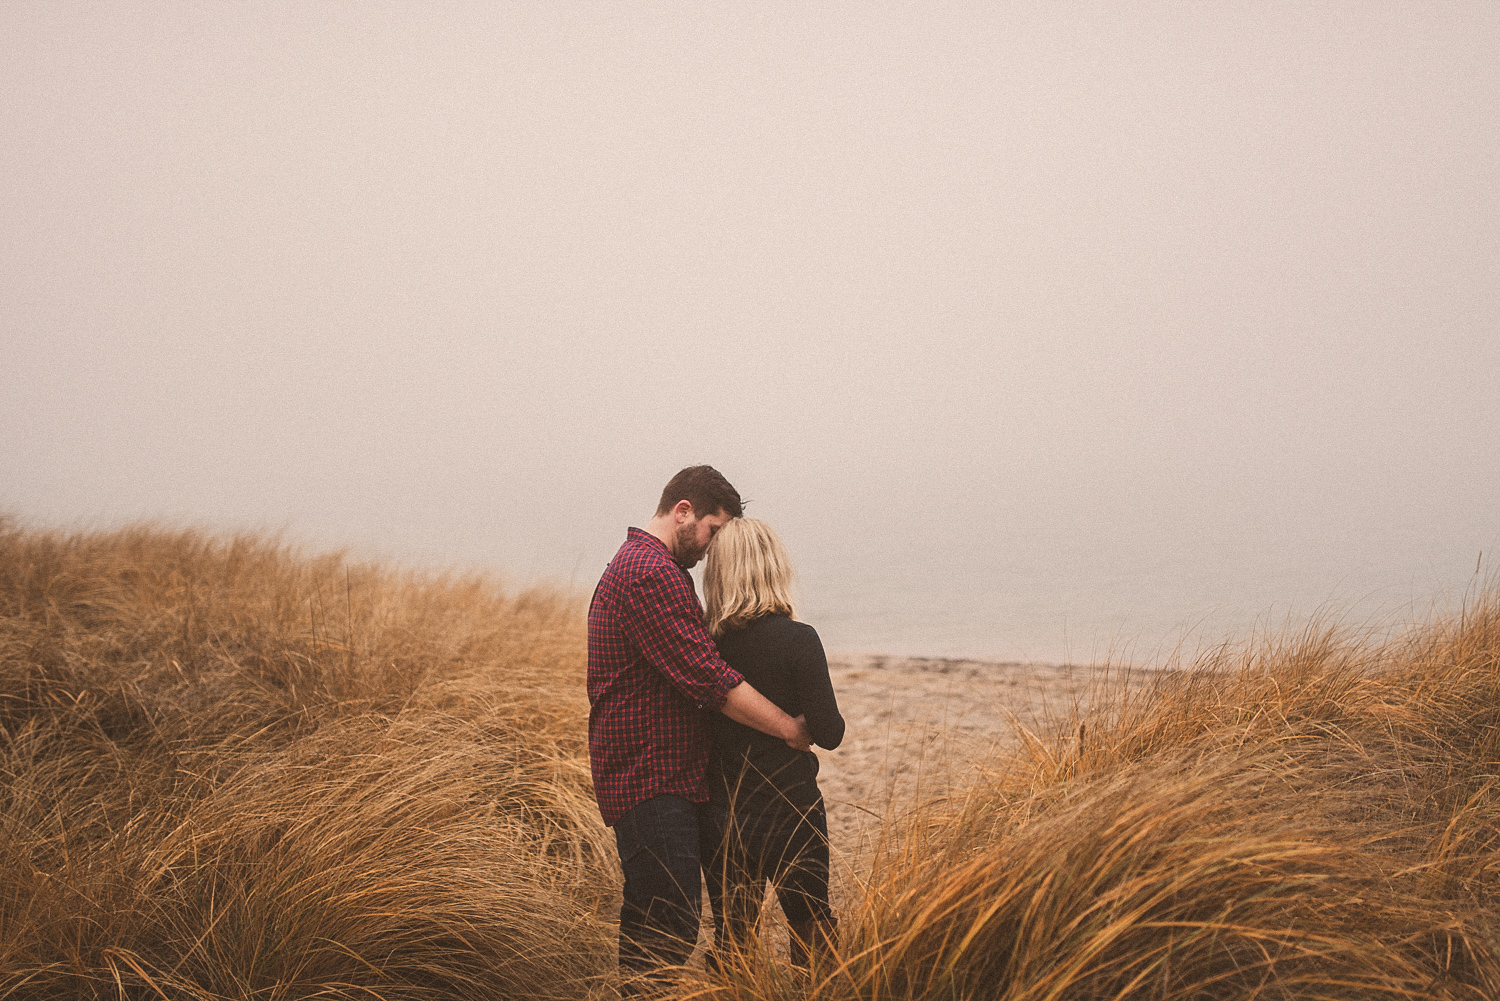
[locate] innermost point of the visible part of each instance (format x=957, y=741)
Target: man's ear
x=682, y=511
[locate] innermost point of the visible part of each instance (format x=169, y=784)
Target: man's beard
x=687, y=552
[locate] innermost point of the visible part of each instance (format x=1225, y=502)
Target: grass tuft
x=230, y=771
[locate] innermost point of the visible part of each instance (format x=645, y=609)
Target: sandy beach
x=918, y=727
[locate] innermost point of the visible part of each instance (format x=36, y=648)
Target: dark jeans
x=660, y=847
x=786, y=845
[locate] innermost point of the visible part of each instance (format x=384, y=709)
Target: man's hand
x=799, y=738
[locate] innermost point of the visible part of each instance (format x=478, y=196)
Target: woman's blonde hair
x=747, y=576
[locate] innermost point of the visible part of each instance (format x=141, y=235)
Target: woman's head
x=747, y=576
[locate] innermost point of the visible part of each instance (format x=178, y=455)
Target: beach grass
x=1309, y=816
x=232, y=770
x=229, y=771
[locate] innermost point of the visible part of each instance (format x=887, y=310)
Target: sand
x=918, y=727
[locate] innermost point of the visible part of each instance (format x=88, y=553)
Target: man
x=654, y=675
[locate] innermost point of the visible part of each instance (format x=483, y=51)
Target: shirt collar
x=641, y=535
x=646, y=538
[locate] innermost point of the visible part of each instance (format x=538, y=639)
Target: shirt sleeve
x=819, y=705
x=664, y=621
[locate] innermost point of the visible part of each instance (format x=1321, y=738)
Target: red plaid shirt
x=654, y=674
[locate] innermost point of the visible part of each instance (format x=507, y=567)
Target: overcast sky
x=1033, y=327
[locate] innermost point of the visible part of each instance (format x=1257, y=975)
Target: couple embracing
x=700, y=731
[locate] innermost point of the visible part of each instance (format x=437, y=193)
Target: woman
x=767, y=809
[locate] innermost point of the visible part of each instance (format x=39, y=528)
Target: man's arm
x=661, y=618
x=746, y=705
x=664, y=621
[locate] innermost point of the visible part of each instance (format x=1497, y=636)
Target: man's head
x=696, y=503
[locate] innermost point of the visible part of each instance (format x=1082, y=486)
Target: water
x=1085, y=597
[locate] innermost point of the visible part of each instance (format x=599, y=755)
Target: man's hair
x=748, y=575
x=705, y=488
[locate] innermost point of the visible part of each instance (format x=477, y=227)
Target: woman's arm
x=819, y=705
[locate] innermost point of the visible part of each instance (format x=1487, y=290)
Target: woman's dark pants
x=789, y=847
x=661, y=842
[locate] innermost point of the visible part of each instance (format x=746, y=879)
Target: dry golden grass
x=229, y=771
x=1312, y=818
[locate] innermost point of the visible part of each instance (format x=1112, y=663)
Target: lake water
x=1059, y=599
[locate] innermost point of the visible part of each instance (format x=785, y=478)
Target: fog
x=1039, y=331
